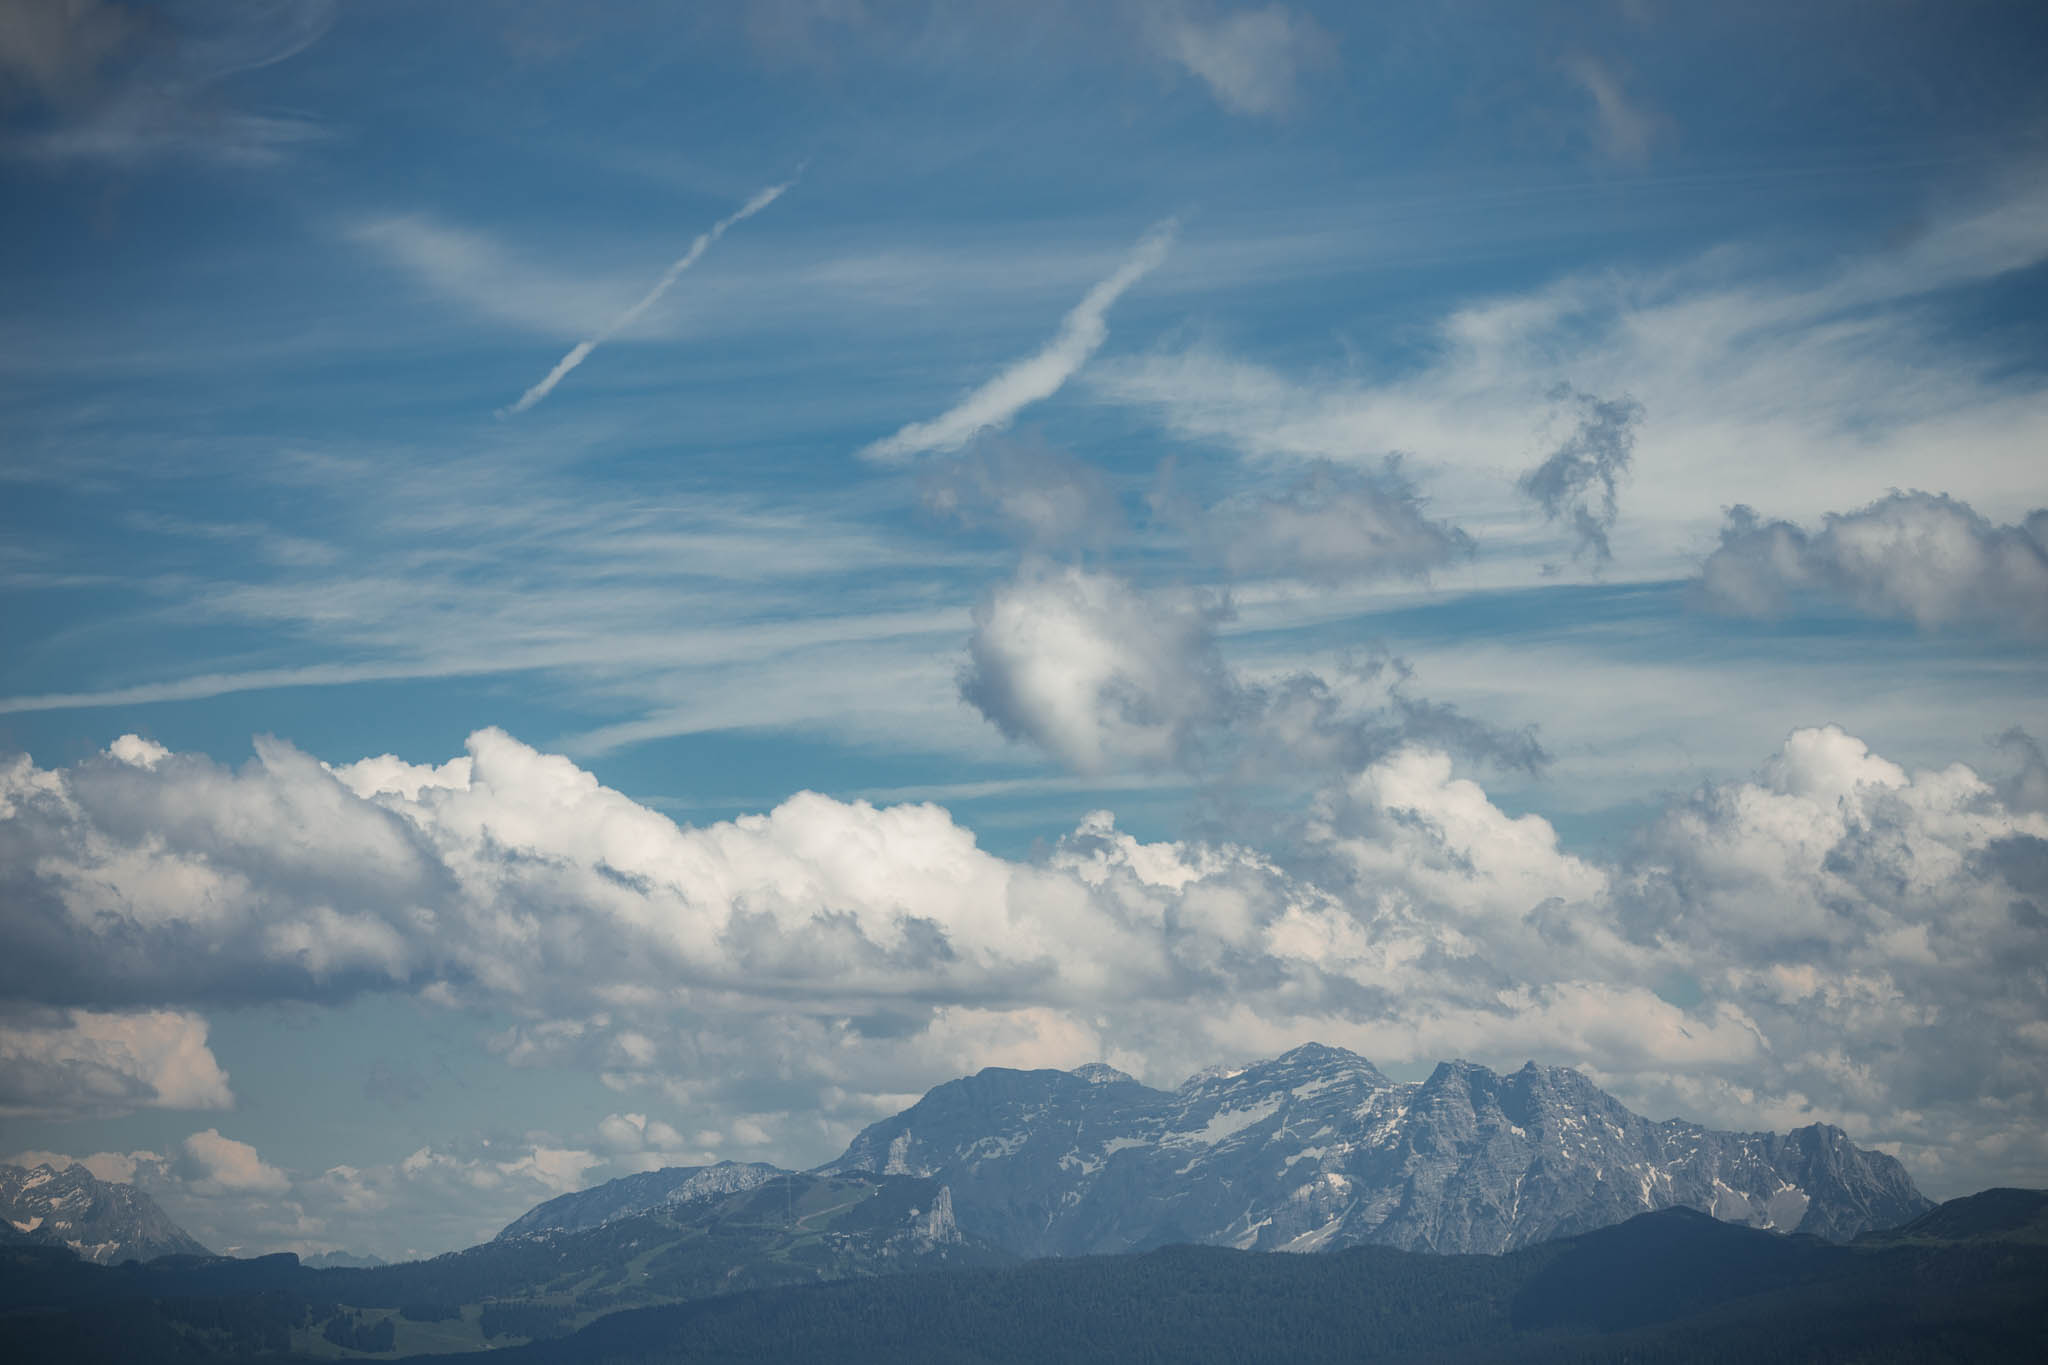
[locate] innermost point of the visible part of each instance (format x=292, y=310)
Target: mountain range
x=994, y=1173
x=1315, y=1150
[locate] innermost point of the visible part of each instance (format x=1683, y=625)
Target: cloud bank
x=1851, y=941
x=1921, y=557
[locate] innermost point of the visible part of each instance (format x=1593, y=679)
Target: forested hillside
x=1969, y=1282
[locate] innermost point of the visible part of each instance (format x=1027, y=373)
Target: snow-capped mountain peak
x=1319, y=1149
x=102, y=1220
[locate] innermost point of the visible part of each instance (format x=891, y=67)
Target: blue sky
x=1499, y=530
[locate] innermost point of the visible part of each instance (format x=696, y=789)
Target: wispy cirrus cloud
x=1040, y=496
x=1331, y=526
x=1039, y=376
x=1806, y=384
x=477, y=270
x=1250, y=59
x=121, y=84
x=1624, y=128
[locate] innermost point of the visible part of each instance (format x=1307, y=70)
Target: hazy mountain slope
x=1319, y=1150
x=642, y=1193
x=801, y=1230
x=2006, y=1215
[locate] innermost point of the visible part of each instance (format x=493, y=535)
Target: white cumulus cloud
x=221, y=1165
x=78, y=1063
x=1929, y=559
x=1838, y=936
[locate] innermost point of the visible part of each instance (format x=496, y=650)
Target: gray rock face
x=1318, y=1150
x=104, y=1221
x=636, y=1194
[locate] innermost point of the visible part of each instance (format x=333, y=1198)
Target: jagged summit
x=1308, y=1057
x=102, y=1220
x=1312, y=1150
x=1318, y=1149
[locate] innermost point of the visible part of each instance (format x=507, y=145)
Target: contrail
x=582, y=349
x=1037, y=376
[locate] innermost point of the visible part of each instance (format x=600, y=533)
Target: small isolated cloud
x=997, y=402
x=1101, y=675
x=214, y=1165
x=81, y=1063
x=1084, y=666
x=1334, y=525
x=1921, y=557
x=1623, y=129
x=1578, y=483
x=631, y=1134
x=1250, y=59
x=1028, y=490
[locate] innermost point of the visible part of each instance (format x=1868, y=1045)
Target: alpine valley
x=1062, y=1204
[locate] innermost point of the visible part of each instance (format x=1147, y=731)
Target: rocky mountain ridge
x=104, y=1221
x=1315, y=1150
x=636, y=1194
x=1318, y=1150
